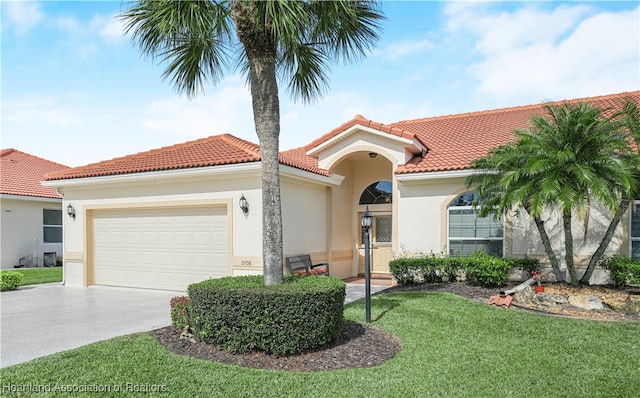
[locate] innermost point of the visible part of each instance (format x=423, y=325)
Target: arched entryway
x=368, y=182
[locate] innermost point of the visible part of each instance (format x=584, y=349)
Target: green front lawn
x=451, y=347
x=32, y=276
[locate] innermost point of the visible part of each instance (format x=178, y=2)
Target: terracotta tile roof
x=362, y=121
x=211, y=151
x=455, y=140
x=21, y=173
x=298, y=158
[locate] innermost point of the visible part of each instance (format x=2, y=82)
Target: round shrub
x=10, y=280
x=242, y=315
x=526, y=264
x=622, y=270
x=487, y=271
x=180, y=312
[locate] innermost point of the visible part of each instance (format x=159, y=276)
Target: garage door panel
x=167, y=248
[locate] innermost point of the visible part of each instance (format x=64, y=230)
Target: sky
x=75, y=89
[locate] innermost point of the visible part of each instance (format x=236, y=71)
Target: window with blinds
x=469, y=233
x=634, y=231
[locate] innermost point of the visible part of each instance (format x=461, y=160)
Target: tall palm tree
x=628, y=121
x=567, y=158
x=293, y=40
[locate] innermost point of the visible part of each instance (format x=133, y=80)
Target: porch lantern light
x=71, y=211
x=244, y=205
x=366, y=222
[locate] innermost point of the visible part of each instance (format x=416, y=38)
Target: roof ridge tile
x=519, y=107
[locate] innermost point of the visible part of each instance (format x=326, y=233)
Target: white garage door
x=159, y=248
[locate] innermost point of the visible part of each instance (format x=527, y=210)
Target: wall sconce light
x=244, y=205
x=372, y=155
x=71, y=211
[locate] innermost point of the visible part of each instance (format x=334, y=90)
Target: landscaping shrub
x=622, y=269
x=180, y=312
x=10, y=280
x=427, y=269
x=487, y=271
x=526, y=264
x=404, y=270
x=242, y=315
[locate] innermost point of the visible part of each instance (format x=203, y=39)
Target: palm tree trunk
x=568, y=244
x=266, y=114
x=546, y=243
x=261, y=53
x=624, y=205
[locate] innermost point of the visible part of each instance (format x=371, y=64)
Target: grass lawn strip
x=33, y=276
x=451, y=347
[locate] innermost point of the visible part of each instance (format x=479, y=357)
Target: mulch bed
x=358, y=346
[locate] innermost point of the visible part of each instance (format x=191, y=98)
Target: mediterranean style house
x=175, y=215
x=31, y=232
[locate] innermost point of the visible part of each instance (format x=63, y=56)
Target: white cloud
x=69, y=24
x=223, y=109
x=22, y=16
x=532, y=54
x=41, y=110
x=71, y=131
x=110, y=28
x=400, y=49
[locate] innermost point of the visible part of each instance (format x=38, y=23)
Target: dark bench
x=302, y=265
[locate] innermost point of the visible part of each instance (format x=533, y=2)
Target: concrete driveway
x=39, y=320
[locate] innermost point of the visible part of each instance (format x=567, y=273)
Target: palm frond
x=192, y=37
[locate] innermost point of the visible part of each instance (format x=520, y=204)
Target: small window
x=381, y=230
x=377, y=193
x=52, y=222
x=469, y=233
x=634, y=235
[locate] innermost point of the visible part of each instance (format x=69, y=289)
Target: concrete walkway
x=40, y=320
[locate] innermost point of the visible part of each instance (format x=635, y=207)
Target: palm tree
x=628, y=120
x=293, y=40
x=567, y=158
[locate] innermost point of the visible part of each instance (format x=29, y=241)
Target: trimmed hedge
x=10, y=280
x=242, y=315
x=622, y=269
x=428, y=269
x=527, y=264
x=480, y=269
x=180, y=312
x=487, y=271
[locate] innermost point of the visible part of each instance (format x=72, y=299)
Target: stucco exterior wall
x=304, y=212
x=22, y=231
x=245, y=250
x=422, y=214
x=342, y=236
x=422, y=218
x=304, y=218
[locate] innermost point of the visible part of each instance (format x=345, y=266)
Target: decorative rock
x=524, y=296
x=586, y=301
x=615, y=303
x=633, y=305
x=549, y=300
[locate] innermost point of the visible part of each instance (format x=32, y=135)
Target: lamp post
x=366, y=221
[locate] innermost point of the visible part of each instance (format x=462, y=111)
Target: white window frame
x=50, y=226
x=635, y=205
x=450, y=238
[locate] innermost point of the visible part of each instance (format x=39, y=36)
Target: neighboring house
x=31, y=215
x=172, y=216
